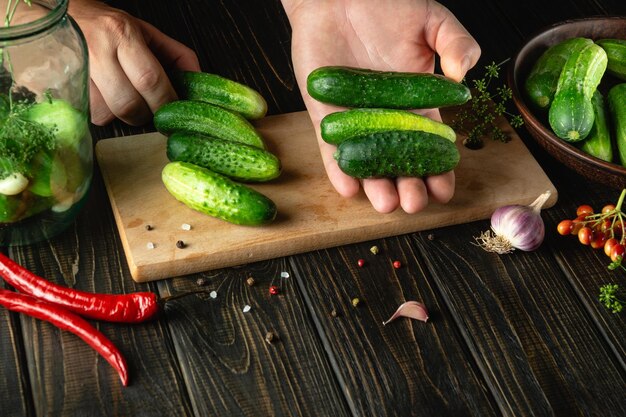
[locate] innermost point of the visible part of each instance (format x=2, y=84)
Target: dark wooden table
x=515, y=335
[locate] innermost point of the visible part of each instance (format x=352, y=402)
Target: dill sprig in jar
x=46, y=157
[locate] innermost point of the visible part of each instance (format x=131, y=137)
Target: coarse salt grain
x=213, y=294
x=150, y=245
x=284, y=274
x=247, y=308
x=185, y=226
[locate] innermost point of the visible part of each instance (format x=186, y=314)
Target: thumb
x=457, y=49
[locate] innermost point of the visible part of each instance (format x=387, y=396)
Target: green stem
x=618, y=206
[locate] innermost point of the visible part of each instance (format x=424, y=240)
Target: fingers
x=100, y=113
x=457, y=49
x=128, y=58
x=171, y=53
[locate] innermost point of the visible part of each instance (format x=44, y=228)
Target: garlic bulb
x=515, y=227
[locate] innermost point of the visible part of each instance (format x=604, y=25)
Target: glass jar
x=46, y=158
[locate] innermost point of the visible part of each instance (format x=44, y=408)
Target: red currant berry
x=585, y=235
x=609, y=244
x=274, y=290
x=598, y=240
x=585, y=210
x=617, y=252
x=397, y=264
x=360, y=263
x=565, y=227
x=608, y=208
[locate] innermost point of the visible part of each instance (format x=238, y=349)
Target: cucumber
x=206, y=119
x=235, y=160
x=571, y=112
x=540, y=85
x=358, y=87
x=410, y=153
x=216, y=195
x=339, y=126
x=599, y=143
x=616, y=53
x=616, y=99
x=223, y=92
x=69, y=124
x=10, y=207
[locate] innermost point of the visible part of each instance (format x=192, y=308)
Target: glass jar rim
x=56, y=13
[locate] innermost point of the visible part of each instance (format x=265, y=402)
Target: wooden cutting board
x=311, y=213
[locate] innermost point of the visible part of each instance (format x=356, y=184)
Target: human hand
x=127, y=60
x=399, y=35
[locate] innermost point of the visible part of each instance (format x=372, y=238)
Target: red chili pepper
x=124, y=308
x=66, y=320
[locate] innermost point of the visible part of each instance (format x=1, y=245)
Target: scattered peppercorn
x=200, y=282
x=333, y=313
x=431, y=236
x=374, y=250
x=360, y=263
x=355, y=302
x=180, y=244
x=274, y=290
x=397, y=264
x=148, y=227
x=269, y=337
x=250, y=281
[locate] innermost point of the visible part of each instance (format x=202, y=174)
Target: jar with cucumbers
x=46, y=158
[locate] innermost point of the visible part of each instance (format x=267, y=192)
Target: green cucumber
x=410, y=153
x=69, y=124
x=10, y=208
x=338, y=126
x=216, y=195
x=235, y=160
x=571, y=112
x=616, y=53
x=358, y=87
x=222, y=92
x=599, y=143
x=206, y=119
x=540, y=85
x=616, y=99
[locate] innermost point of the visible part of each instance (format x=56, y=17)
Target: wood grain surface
x=311, y=214
x=515, y=335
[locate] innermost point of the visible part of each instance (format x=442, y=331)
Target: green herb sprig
x=609, y=297
x=610, y=293
x=478, y=118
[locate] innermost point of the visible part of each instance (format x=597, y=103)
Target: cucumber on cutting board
x=339, y=126
x=571, y=112
x=409, y=153
x=206, y=119
x=222, y=92
x=359, y=87
x=599, y=143
x=616, y=99
x=216, y=195
x=540, y=85
x=235, y=160
x=616, y=54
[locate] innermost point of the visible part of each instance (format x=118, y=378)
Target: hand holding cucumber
x=395, y=36
x=128, y=58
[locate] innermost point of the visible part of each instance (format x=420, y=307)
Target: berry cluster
x=604, y=230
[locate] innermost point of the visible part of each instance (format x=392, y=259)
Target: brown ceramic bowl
x=610, y=174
